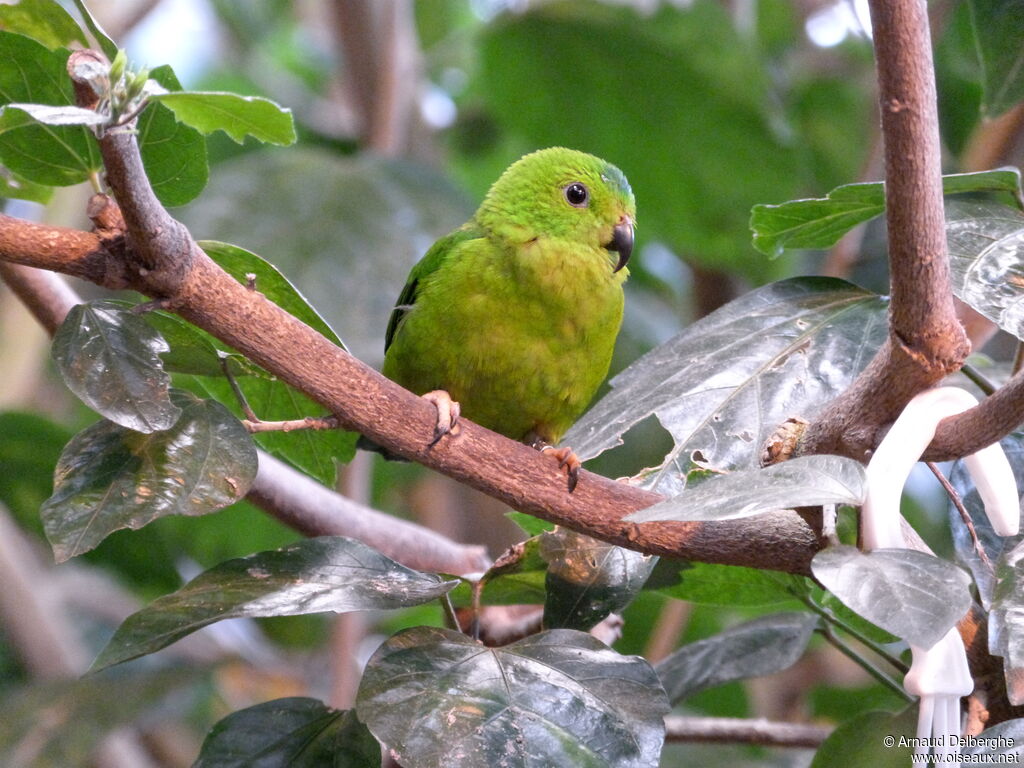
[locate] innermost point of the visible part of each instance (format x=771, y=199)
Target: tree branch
x=738, y=730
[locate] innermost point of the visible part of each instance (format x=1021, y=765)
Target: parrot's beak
x=622, y=241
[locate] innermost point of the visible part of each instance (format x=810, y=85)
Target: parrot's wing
x=432, y=261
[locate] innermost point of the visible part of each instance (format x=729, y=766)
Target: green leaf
x=45, y=21
x=861, y=741
x=110, y=359
x=530, y=525
x=516, y=578
x=109, y=477
x=107, y=45
x=54, y=155
x=192, y=350
x=295, y=732
x=999, y=28
x=764, y=646
x=328, y=573
x=986, y=252
x=726, y=383
x=914, y=595
x=29, y=447
x=173, y=154
x=238, y=116
x=805, y=481
x=820, y=222
x=438, y=699
x=313, y=451
x=14, y=186
x=46, y=114
x=587, y=579
x=723, y=584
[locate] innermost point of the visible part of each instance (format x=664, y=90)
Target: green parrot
x=511, y=319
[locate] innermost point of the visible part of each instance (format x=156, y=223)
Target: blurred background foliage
x=406, y=112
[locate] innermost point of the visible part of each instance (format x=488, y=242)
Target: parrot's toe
x=448, y=412
x=568, y=459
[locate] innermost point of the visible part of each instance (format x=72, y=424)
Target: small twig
x=958, y=502
x=737, y=730
x=979, y=380
x=310, y=422
x=867, y=666
x=1018, y=358
x=896, y=662
x=449, y=611
x=250, y=414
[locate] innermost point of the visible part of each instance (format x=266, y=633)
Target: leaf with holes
x=439, y=699
x=110, y=359
x=725, y=384
x=296, y=732
x=914, y=595
x=328, y=573
x=755, y=648
x=109, y=477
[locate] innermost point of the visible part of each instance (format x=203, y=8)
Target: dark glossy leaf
x=587, y=579
x=986, y=251
x=191, y=350
x=516, y=578
x=102, y=38
x=438, y=699
x=708, y=87
x=725, y=384
x=820, y=222
x=805, y=481
x=999, y=28
x=1005, y=738
x=294, y=732
x=109, y=477
x=43, y=154
x=763, y=646
x=861, y=741
x=173, y=154
x=328, y=573
x=58, y=723
x=110, y=359
x=336, y=226
x=1006, y=620
x=238, y=116
x=49, y=115
x=45, y=21
x=723, y=584
x=914, y=595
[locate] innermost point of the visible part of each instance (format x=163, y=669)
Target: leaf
x=986, y=251
x=914, y=595
x=516, y=578
x=713, y=584
x=530, y=525
x=327, y=573
x=173, y=154
x=54, y=155
x=191, y=350
x=14, y=186
x=238, y=116
x=764, y=646
x=1005, y=738
x=588, y=579
x=295, y=732
x=110, y=359
x=861, y=741
x=724, y=385
x=45, y=21
x=107, y=45
x=50, y=115
x=805, y=481
x=109, y=477
x=820, y=222
x=998, y=28
x=711, y=92
x=1006, y=620
x=438, y=699
x=312, y=451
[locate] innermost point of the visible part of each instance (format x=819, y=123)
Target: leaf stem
x=896, y=662
x=978, y=379
x=871, y=669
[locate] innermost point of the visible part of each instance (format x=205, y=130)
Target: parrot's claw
x=568, y=459
x=448, y=412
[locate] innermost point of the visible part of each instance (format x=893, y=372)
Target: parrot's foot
x=568, y=459
x=448, y=412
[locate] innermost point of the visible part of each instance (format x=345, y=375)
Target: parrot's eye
x=577, y=194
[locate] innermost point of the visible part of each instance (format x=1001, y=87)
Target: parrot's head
x=561, y=193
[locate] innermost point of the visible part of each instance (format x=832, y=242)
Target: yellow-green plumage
x=515, y=313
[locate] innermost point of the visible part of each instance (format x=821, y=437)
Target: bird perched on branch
x=511, y=319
